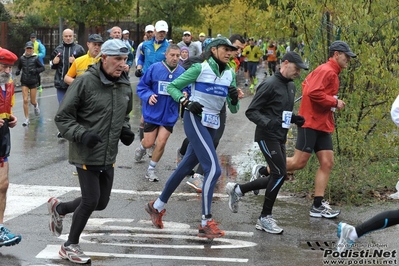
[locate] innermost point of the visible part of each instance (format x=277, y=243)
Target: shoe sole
x=148, y=209
x=320, y=215
x=51, y=225
x=221, y=234
x=261, y=228
x=198, y=190
x=65, y=257
x=11, y=242
x=152, y=179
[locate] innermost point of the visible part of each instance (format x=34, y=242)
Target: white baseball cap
x=186, y=32
x=161, y=26
x=149, y=28
x=125, y=32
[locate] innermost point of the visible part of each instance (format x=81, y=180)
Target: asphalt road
x=122, y=234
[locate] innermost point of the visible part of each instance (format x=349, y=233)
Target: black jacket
x=31, y=67
x=65, y=51
x=273, y=96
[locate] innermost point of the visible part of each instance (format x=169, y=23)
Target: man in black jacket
x=62, y=58
x=271, y=111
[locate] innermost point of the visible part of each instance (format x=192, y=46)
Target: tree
x=79, y=13
x=4, y=15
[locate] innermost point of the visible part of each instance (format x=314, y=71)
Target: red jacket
x=318, y=91
x=7, y=102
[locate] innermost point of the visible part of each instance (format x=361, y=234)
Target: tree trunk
x=82, y=38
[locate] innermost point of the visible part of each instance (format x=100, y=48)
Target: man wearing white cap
x=93, y=117
x=148, y=34
x=127, y=41
x=193, y=49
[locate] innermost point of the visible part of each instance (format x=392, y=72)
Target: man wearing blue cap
x=93, y=117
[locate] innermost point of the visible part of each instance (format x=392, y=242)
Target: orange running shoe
x=156, y=216
x=211, y=230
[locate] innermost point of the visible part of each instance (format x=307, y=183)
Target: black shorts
x=30, y=86
x=148, y=127
x=309, y=140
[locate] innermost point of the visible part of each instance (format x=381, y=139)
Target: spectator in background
x=126, y=40
x=201, y=39
x=62, y=58
x=193, y=48
x=31, y=68
x=184, y=55
x=40, y=50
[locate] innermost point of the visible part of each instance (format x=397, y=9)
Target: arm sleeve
x=72, y=70
x=188, y=77
x=254, y=111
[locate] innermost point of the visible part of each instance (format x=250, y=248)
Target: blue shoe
x=343, y=232
x=7, y=239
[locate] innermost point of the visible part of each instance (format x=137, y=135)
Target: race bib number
x=209, y=120
x=287, y=115
x=162, y=85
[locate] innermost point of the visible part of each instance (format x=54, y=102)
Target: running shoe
x=179, y=157
x=7, y=238
x=233, y=196
x=196, y=181
x=151, y=176
x=156, y=216
x=210, y=230
x=255, y=80
x=74, y=253
x=26, y=122
x=343, y=232
x=40, y=88
x=139, y=154
x=55, y=224
x=323, y=211
x=255, y=175
x=251, y=88
x=37, y=110
x=269, y=225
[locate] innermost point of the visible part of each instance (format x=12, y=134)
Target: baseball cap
x=113, y=47
x=7, y=57
x=202, y=34
x=29, y=44
x=161, y=26
x=125, y=32
x=295, y=58
x=95, y=38
x=186, y=33
x=220, y=41
x=149, y=28
x=341, y=46
x=251, y=38
x=33, y=35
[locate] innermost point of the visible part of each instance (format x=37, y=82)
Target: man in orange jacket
x=319, y=102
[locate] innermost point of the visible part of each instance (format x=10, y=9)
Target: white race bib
x=162, y=85
x=287, y=115
x=210, y=120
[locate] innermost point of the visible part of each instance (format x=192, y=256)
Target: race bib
x=162, y=85
x=287, y=115
x=209, y=120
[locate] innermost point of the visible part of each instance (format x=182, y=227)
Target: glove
x=18, y=72
x=233, y=93
x=194, y=107
x=127, y=136
x=138, y=73
x=91, y=139
x=298, y=120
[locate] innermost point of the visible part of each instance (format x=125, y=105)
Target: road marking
x=51, y=252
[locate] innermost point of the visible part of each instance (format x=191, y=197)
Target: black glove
x=194, y=107
x=233, y=93
x=127, y=136
x=298, y=120
x=91, y=139
x=138, y=73
x=18, y=72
